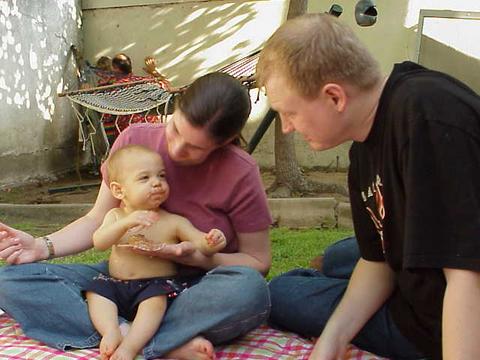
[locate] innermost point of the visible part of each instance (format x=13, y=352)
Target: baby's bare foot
x=124, y=353
x=109, y=343
x=198, y=348
x=124, y=328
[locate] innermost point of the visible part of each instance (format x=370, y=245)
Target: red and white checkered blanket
x=263, y=343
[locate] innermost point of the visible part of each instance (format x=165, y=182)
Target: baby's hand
x=216, y=238
x=141, y=219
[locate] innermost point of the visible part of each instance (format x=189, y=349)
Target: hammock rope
x=128, y=99
x=125, y=100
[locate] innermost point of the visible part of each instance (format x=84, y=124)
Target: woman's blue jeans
x=46, y=300
x=304, y=299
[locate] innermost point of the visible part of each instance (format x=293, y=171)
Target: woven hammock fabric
x=124, y=100
x=244, y=67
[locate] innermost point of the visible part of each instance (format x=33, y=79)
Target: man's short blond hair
x=313, y=50
x=116, y=161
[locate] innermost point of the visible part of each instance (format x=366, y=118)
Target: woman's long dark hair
x=219, y=103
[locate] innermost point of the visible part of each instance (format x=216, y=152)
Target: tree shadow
x=187, y=42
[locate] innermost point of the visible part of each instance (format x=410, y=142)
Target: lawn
x=290, y=248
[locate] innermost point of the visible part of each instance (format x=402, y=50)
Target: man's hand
x=369, y=287
x=18, y=247
x=328, y=349
x=461, y=314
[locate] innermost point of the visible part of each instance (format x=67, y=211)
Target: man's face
x=317, y=119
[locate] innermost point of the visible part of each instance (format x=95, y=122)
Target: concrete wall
x=394, y=37
x=37, y=131
x=187, y=38
x=190, y=38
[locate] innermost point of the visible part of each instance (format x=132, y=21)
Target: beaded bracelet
x=50, y=248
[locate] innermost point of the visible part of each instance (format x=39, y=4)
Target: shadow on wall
x=35, y=64
x=34, y=55
x=187, y=39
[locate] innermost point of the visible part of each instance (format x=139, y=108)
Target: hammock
x=107, y=110
x=124, y=100
x=144, y=100
x=243, y=69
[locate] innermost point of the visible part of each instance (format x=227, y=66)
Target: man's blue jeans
x=46, y=300
x=304, y=299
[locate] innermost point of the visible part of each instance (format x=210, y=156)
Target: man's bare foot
x=198, y=348
x=317, y=263
x=109, y=343
x=123, y=353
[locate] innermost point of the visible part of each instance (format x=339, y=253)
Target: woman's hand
x=18, y=247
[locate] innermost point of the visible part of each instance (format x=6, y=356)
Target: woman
x=212, y=182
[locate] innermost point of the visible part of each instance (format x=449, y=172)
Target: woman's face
x=187, y=145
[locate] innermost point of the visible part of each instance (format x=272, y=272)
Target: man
x=414, y=190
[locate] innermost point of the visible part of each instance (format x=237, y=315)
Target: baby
x=139, y=285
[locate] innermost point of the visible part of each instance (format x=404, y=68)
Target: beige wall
x=38, y=132
x=394, y=37
x=190, y=38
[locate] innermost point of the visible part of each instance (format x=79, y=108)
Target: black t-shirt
x=415, y=193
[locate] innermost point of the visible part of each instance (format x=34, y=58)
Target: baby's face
x=143, y=181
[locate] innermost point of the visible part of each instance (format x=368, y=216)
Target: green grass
x=295, y=248
x=290, y=248
x=37, y=229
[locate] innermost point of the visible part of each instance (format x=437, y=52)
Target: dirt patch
x=70, y=189
x=65, y=190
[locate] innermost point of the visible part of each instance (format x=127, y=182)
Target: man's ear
x=117, y=190
x=335, y=94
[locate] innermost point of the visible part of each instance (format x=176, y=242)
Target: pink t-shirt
x=223, y=192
